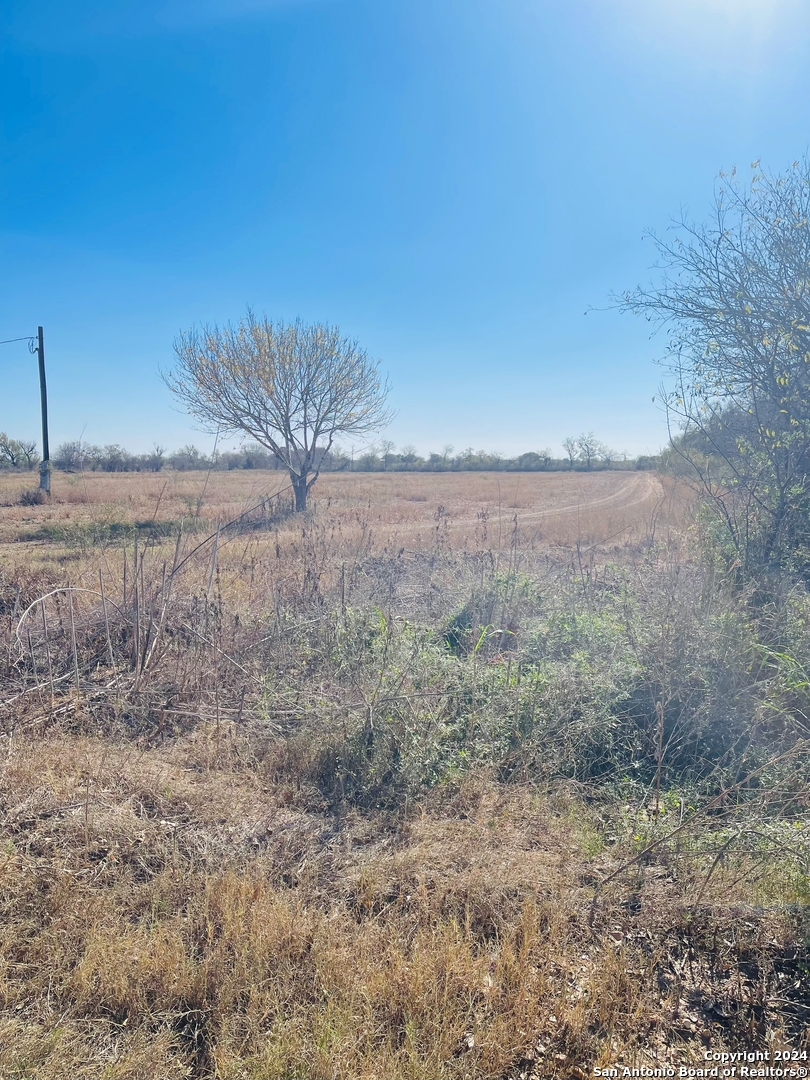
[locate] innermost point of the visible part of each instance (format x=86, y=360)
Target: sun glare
x=714, y=30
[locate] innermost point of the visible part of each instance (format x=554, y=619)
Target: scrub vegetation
x=454, y=775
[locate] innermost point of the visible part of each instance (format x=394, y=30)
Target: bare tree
x=293, y=388
x=608, y=456
x=387, y=449
x=157, y=458
x=18, y=453
x=10, y=450
x=28, y=449
x=589, y=448
x=571, y=447
x=71, y=456
x=734, y=299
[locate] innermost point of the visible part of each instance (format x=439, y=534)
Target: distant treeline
x=76, y=456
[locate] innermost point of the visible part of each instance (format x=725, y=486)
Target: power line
x=28, y=337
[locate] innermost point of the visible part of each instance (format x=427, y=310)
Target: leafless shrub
x=32, y=497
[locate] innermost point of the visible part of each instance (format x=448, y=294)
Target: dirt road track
x=638, y=488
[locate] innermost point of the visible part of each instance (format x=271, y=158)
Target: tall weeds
x=303, y=798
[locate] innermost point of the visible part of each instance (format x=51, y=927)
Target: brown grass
x=186, y=892
x=474, y=508
x=160, y=920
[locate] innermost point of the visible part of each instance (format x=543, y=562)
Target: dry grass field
x=455, y=776
x=474, y=509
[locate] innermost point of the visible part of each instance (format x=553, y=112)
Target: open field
x=458, y=775
x=475, y=508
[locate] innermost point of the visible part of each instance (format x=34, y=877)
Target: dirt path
x=638, y=489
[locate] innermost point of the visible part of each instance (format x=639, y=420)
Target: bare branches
x=734, y=300
x=293, y=388
x=17, y=453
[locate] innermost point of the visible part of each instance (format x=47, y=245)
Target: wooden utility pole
x=45, y=467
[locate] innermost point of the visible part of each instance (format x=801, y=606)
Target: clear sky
x=453, y=182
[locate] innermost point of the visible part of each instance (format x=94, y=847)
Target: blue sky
x=453, y=182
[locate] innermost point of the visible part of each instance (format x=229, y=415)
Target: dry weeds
x=475, y=509
x=206, y=871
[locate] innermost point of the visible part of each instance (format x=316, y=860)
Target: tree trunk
x=300, y=488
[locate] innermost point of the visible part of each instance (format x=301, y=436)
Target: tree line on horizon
x=581, y=453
